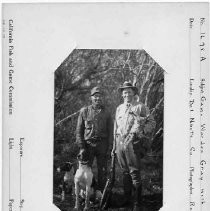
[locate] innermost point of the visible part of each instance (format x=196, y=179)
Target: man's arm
x=80, y=130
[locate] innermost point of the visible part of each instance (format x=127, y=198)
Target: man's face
x=96, y=99
x=128, y=95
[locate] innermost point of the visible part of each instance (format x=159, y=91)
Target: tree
x=85, y=68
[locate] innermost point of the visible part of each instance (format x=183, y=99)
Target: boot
x=137, y=197
x=127, y=185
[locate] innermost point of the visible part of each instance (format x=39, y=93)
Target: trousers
x=99, y=151
x=129, y=156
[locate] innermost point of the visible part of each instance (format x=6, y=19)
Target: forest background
x=79, y=73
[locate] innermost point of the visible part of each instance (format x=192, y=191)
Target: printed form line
x=189, y=109
x=9, y=171
x=200, y=117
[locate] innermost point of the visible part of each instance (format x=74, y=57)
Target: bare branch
x=149, y=87
x=160, y=101
x=127, y=61
x=66, y=118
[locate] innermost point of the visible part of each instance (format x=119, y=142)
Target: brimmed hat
x=126, y=85
x=96, y=90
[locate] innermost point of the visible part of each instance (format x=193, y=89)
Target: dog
x=85, y=184
x=69, y=170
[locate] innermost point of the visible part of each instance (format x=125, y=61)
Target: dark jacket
x=94, y=124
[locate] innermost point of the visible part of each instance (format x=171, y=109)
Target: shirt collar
x=129, y=104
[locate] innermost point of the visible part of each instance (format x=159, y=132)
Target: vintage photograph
x=108, y=131
x=105, y=106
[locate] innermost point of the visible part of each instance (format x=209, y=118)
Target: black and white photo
x=110, y=103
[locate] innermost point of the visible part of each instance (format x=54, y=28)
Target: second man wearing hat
x=132, y=123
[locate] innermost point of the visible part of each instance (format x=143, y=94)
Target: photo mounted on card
x=105, y=106
x=92, y=90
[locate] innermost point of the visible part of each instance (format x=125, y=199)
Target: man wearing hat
x=132, y=124
x=94, y=133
